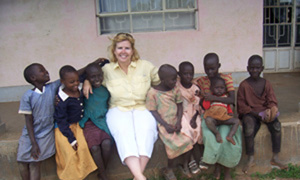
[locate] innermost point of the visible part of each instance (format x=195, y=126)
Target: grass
x=293, y=172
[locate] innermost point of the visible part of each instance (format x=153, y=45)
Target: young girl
x=37, y=140
x=165, y=103
x=93, y=122
x=73, y=158
x=191, y=121
x=218, y=113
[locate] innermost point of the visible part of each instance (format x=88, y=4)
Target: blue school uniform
x=41, y=106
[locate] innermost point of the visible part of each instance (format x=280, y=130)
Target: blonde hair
x=119, y=38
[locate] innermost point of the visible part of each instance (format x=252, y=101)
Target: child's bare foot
x=217, y=172
x=219, y=138
x=227, y=175
x=249, y=164
x=230, y=139
x=277, y=164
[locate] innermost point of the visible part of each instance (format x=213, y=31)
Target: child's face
x=71, y=81
x=95, y=76
x=169, y=80
x=211, y=67
x=218, y=88
x=41, y=75
x=186, y=74
x=255, y=68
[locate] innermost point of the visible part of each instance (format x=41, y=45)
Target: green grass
x=293, y=172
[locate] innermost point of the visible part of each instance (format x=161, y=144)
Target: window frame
x=130, y=13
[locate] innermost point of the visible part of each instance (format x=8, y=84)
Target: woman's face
x=123, y=51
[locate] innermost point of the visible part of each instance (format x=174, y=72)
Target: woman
x=223, y=154
x=128, y=79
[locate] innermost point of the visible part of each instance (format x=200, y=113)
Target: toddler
x=93, y=122
x=165, y=103
x=73, y=158
x=218, y=113
x=256, y=103
x=191, y=120
x=37, y=140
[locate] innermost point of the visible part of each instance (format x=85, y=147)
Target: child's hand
x=35, y=151
x=178, y=126
x=100, y=61
x=75, y=146
x=169, y=128
x=193, y=122
x=87, y=88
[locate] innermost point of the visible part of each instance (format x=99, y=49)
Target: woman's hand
x=209, y=97
x=87, y=88
x=35, y=151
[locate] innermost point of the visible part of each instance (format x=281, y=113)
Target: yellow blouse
x=128, y=91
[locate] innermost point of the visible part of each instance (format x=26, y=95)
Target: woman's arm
x=35, y=150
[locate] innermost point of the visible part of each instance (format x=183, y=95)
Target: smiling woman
x=128, y=79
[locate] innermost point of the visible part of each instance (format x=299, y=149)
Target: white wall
x=59, y=32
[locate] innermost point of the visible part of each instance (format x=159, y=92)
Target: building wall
x=60, y=32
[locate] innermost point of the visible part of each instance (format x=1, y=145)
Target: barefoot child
x=191, y=120
x=37, y=140
x=218, y=113
x=93, y=122
x=165, y=103
x=256, y=103
x=224, y=154
x=73, y=158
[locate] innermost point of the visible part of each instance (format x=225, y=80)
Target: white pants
x=134, y=132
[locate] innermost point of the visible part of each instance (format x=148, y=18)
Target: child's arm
x=169, y=128
x=61, y=117
x=35, y=150
x=193, y=120
x=179, y=117
x=226, y=100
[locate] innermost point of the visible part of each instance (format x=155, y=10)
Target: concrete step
x=290, y=153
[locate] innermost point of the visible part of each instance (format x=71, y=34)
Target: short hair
x=119, y=38
x=210, y=56
x=185, y=63
x=255, y=57
x=66, y=69
x=216, y=79
x=165, y=68
x=27, y=73
x=92, y=65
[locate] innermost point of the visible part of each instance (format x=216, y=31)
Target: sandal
x=278, y=165
x=203, y=165
x=168, y=174
x=194, y=167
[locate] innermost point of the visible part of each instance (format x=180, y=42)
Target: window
x=297, y=42
x=145, y=15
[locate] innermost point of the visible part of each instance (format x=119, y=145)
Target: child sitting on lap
x=93, y=122
x=218, y=113
x=165, y=103
x=73, y=158
x=256, y=103
x=37, y=140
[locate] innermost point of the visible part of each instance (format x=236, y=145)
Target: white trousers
x=134, y=132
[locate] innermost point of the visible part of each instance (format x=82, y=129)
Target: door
x=281, y=35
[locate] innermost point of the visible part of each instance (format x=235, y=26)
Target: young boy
x=256, y=103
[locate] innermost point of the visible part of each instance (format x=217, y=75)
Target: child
x=93, y=122
x=72, y=156
x=224, y=154
x=37, y=140
x=191, y=121
x=256, y=103
x=165, y=103
x=218, y=113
